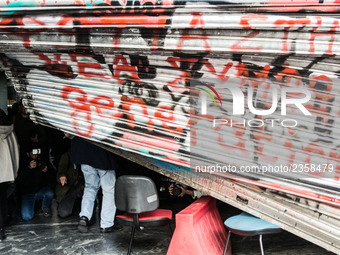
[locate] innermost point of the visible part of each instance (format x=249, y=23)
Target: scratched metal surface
x=119, y=73
x=314, y=221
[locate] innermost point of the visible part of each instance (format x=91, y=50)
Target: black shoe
x=2, y=234
x=110, y=229
x=117, y=226
x=83, y=225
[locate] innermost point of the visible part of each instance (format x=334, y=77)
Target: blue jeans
x=45, y=194
x=94, y=178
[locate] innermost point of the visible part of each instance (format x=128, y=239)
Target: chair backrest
x=136, y=194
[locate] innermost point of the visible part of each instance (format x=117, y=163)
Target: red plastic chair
x=137, y=196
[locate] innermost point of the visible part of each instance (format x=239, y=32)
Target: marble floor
x=60, y=236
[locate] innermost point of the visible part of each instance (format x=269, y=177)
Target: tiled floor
x=60, y=236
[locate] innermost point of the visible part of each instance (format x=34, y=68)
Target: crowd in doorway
x=37, y=169
x=43, y=164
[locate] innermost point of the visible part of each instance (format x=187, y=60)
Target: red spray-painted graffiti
x=123, y=74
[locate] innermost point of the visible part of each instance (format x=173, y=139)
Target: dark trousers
x=66, y=205
x=3, y=203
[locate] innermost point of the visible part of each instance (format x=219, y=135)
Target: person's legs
x=65, y=206
x=91, y=188
x=11, y=200
x=107, y=180
x=45, y=194
x=27, y=206
x=3, y=209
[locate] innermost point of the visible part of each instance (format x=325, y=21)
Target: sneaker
x=47, y=212
x=111, y=229
x=83, y=225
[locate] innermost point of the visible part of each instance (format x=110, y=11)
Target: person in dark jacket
x=35, y=181
x=98, y=166
x=70, y=185
x=58, y=143
x=28, y=132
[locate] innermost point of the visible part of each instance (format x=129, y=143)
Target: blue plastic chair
x=245, y=224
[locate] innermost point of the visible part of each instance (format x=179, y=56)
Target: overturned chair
x=137, y=197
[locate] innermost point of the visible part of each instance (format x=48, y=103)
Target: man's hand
x=171, y=188
x=184, y=191
x=45, y=169
x=33, y=164
x=63, y=180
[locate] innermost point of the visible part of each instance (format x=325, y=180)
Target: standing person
x=9, y=158
x=98, y=166
x=36, y=181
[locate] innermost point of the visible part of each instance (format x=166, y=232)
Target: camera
x=41, y=164
x=36, y=151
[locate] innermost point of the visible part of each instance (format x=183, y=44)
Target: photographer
x=36, y=181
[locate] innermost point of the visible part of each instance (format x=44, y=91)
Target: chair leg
x=131, y=239
x=226, y=246
x=261, y=246
x=170, y=229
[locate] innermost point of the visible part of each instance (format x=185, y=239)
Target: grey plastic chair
x=137, y=196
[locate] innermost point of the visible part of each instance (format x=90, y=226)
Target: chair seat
x=245, y=224
x=158, y=217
